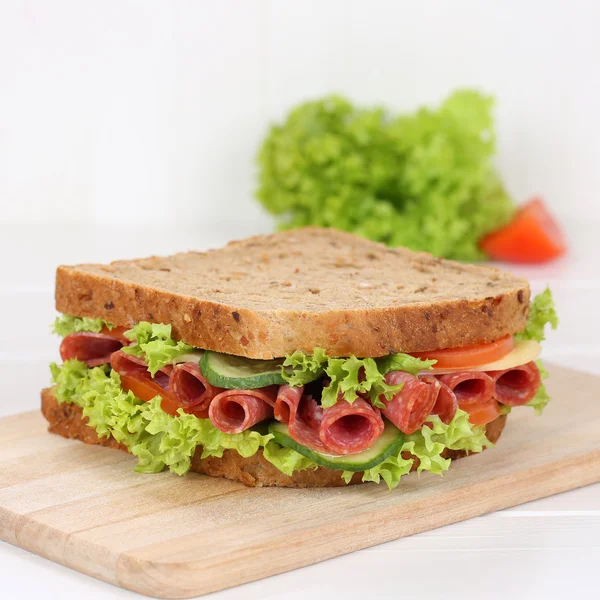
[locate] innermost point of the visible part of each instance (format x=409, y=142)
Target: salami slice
x=91, y=348
x=518, y=385
x=350, y=428
x=136, y=378
x=302, y=415
x=469, y=387
x=409, y=408
x=341, y=429
x=446, y=403
x=127, y=364
x=190, y=387
x=234, y=411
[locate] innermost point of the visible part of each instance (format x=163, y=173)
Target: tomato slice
x=146, y=390
x=482, y=414
x=469, y=356
x=117, y=333
x=533, y=236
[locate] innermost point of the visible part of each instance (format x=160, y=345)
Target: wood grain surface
x=161, y=535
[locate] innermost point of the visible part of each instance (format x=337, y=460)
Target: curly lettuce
x=64, y=325
x=423, y=180
x=426, y=447
x=160, y=440
x=300, y=368
x=542, y=312
x=157, y=439
x=285, y=459
x=153, y=343
x=404, y=362
x=541, y=398
x=351, y=377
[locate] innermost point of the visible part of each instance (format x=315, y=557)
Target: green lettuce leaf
x=160, y=440
x=350, y=377
x=390, y=470
x=459, y=434
x=424, y=180
x=67, y=378
x=541, y=398
x=246, y=444
x=300, y=368
x=404, y=362
x=153, y=343
x=541, y=312
x=156, y=438
x=353, y=377
x=64, y=325
x=427, y=446
x=286, y=459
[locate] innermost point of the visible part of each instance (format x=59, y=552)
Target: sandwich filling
x=165, y=400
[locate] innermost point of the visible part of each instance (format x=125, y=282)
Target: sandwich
x=305, y=358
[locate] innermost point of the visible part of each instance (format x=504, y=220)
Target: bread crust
x=348, y=296
x=67, y=420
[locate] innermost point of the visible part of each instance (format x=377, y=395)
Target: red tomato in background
x=533, y=236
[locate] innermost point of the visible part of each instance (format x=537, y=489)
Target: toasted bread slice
x=67, y=420
x=270, y=295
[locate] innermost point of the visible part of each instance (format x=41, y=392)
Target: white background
x=130, y=128
x=122, y=110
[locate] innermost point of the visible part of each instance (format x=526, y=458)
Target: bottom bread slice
x=67, y=420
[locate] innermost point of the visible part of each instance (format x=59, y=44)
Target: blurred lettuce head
x=423, y=180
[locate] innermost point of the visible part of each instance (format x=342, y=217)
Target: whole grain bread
x=67, y=420
x=269, y=295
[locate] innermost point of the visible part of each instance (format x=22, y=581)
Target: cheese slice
x=524, y=352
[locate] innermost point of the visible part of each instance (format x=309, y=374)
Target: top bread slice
x=270, y=295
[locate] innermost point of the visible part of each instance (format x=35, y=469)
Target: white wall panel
x=218, y=108
x=307, y=52
x=146, y=111
x=46, y=112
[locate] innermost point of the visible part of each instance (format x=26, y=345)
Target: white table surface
x=544, y=549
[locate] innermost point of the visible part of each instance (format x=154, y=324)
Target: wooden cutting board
x=166, y=536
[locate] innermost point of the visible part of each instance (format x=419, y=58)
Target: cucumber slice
x=237, y=373
x=193, y=356
x=389, y=443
